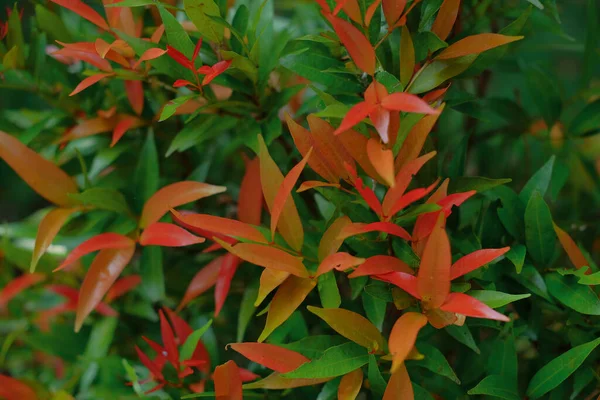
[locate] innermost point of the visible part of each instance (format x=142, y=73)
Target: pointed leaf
x=228, y=383
x=168, y=339
x=89, y=81
x=407, y=102
x=276, y=381
x=539, y=230
x=277, y=358
x=84, y=11
x=475, y=260
x=404, y=281
x=336, y=361
x=168, y=235
x=250, y=198
x=392, y=10
x=218, y=225
x=446, y=17
x=339, y=261
x=355, y=115
x=350, y=385
x=102, y=241
x=123, y=286
x=270, y=279
x=399, y=386
x=495, y=299
x=403, y=337
x=571, y=248
x=460, y=303
x=202, y=281
x=47, y=231
x=330, y=243
x=434, y=270
x=382, y=160
x=17, y=285
x=381, y=265
x=476, y=44
x=358, y=46
x=407, y=53
x=358, y=228
x=226, y=273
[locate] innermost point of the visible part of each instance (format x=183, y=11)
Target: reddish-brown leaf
x=202, y=281
x=476, y=44
x=446, y=17
x=226, y=273
x=339, y=261
x=168, y=339
x=461, y=303
x=175, y=195
x=102, y=241
x=407, y=52
x=404, y=281
x=358, y=46
x=399, y=386
x=17, y=285
x=355, y=115
x=407, y=102
x=571, y=248
x=84, y=11
x=41, y=175
x=250, y=197
x=474, y=260
x=47, y=231
x=371, y=12
x=411, y=197
x=392, y=10
x=121, y=128
x=13, y=389
x=327, y=146
x=304, y=186
x=380, y=265
x=403, y=337
x=350, y=385
x=148, y=55
x=122, y=286
x=351, y=8
x=413, y=144
x=168, y=235
x=179, y=58
x=358, y=228
x=382, y=160
x=434, y=271
x=277, y=358
x=89, y=81
x=135, y=95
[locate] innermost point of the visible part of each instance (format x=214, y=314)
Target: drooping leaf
x=168, y=235
x=102, y=241
x=495, y=386
x=460, y=303
x=17, y=285
x=475, y=260
x=571, y=248
x=202, y=281
x=84, y=11
x=578, y=297
x=403, y=337
x=496, y=299
x=358, y=46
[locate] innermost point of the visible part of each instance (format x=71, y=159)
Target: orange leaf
x=476, y=44
x=358, y=46
x=175, y=195
x=17, y=285
x=358, y=228
x=168, y=235
x=446, y=17
x=226, y=273
x=315, y=184
x=41, y=175
x=271, y=179
x=352, y=326
x=379, y=265
x=270, y=279
x=277, y=358
x=84, y=11
x=104, y=271
x=403, y=337
x=404, y=281
x=267, y=257
x=121, y=128
x=413, y=144
x=123, y=286
x=135, y=95
x=426, y=222
x=350, y=385
x=399, y=386
x=287, y=298
x=382, y=160
x=327, y=147
x=411, y=197
x=356, y=145
x=329, y=242
x=47, y=231
x=474, y=260
x=434, y=270
x=351, y=8
x=285, y=191
x=407, y=102
x=228, y=383
x=148, y=55
x=277, y=382
x=355, y=115
x=102, y=241
x=219, y=225
x=250, y=198
x=573, y=251
x=89, y=81
x=13, y=389
x=392, y=9
x=407, y=53
x=202, y=281
x=339, y=261
x=461, y=303
x=89, y=127
x=371, y=12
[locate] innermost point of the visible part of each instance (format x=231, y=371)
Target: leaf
x=202, y=281
x=399, y=386
x=102, y=241
x=226, y=273
x=406, y=282
x=175, y=195
x=122, y=286
x=407, y=53
x=475, y=260
x=151, y=270
x=446, y=17
x=352, y=326
x=201, y=13
x=495, y=299
x=403, y=337
x=392, y=10
x=438, y=72
x=336, y=361
x=145, y=179
x=495, y=386
x=13, y=389
x=17, y=285
x=571, y=248
x=578, y=297
x=228, y=383
x=191, y=343
x=358, y=46
x=89, y=81
x=277, y=358
x=539, y=230
x=246, y=311
x=435, y=362
x=460, y=303
x=545, y=93
x=476, y=44
x=358, y=228
x=382, y=160
x=84, y=11
x=41, y=175
x=213, y=226
x=350, y=385
x=270, y=279
x=478, y=183
x=103, y=272
x=250, y=197
x=339, y=261
x=559, y=369
x=517, y=256
x=463, y=335
x=288, y=297
x=330, y=243
x=379, y=265
x=433, y=278
x=103, y=199
x=168, y=235
x=276, y=381
x=587, y=121
x=407, y=102
x=271, y=178
x=539, y=182
x=47, y=231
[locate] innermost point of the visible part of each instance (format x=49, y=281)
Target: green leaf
x=545, y=94
x=587, y=121
x=137, y=3
x=539, y=230
x=103, y=199
x=434, y=361
x=194, y=133
x=495, y=299
x=556, y=371
x=104, y=158
x=391, y=83
x=200, y=12
x=52, y=24
x=478, y=183
x=578, y=297
x=531, y=279
x=246, y=311
x=336, y=361
x=177, y=37
x=188, y=348
x=539, y=182
x=537, y=4
x=314, y=346
x=428, y=12
x=378, y=384
x=503, y=360
x=438, y=72
x=375, y=308
x=145, y=180
x=516, y=255
x=133, y=378
x=151, y=270
x=171, y=107
x=495, y=386
x=15, y=36
x=100, y=339
x=463, y=335
x=426, y=43
x=328, y=290
x=512, y=212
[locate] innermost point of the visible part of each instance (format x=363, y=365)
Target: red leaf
x=121, y=128
x=446, y=17
x=197, y=50
x=168, y=339
x=426, y=222
x=250, y=197
x=98, y=242
x=407, y=102
x=89, y=81
x=277, y=358
x=304, y=186
x=220, y=225
x=571, y=248
x=17, y=285
x=179, y=58
x=216, y=70
x=460, y=303
x=403, y=337
x=434, y=269
x=365, y=192
x=13, y=389
x=47, y=231
x=381, y=265
x=392, y=9
x=357, y=113
x=123, y=286
x=411, y=197
x=135, y=95
x=148, y=55
x=182, y=83
x=382, y=160
x=228, y=383
x=475, y=44
x=381, y=120
x=339, y=261
x=474, y=260
x=104, y=271
x=247, y=376
x=358, y=228
x=175, y=195
x=168, y=235
x=371, y=11
x=226, y=273
x=358, y=46
x=202, y=281
x=84, y=11
x=404, y=281
x=153, y=368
